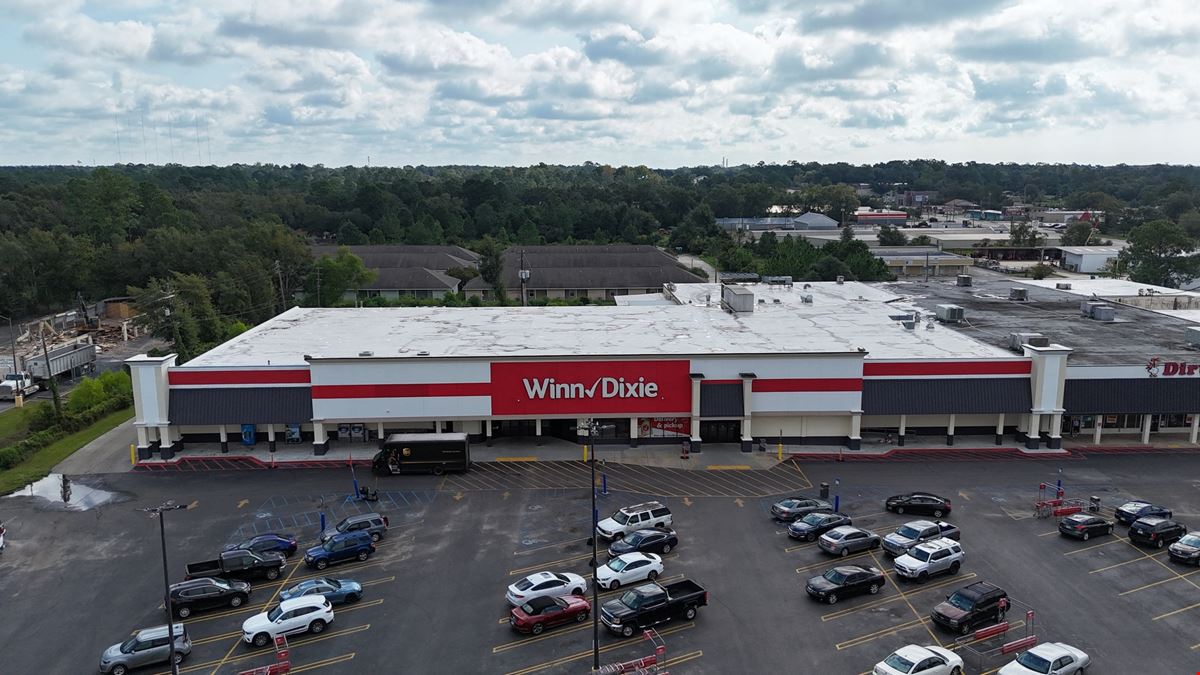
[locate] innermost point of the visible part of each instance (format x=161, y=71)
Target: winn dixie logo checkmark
x=609, y=387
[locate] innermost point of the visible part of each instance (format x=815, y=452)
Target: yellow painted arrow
x=458, y=496
x=739, y=502
x=193, y=505
x=243, y=502
x=687, y=501
x=963, y=495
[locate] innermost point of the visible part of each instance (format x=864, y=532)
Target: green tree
x=1077, y=234
x=847, y=234
x=890, y=236
x=349, y=235
x=766, y=245
x=491, y=267
x=921, y=240
x=336, y=275
x=1190, y=222
x=1159, y=254
x=829, y=268
x=426, y=230
x=528, y=234
x=1025, y=234
x=1178, y=203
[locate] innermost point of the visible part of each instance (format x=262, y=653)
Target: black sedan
x=843, y=581
x=921, y=503
x=283, y=544
x=644, y=541
x=814, y=525
x=1084, y=526
x=199, y=594
x=1186, y=550
x=794, y=508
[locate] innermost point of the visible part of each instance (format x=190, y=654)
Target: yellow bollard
x=585, y=452
x=132, y=454
x=780, y=452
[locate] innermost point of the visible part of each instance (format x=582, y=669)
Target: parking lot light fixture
x=160, y=512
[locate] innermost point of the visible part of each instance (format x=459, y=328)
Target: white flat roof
x=1104, y=287
x=842, y=318
x=1090, y=250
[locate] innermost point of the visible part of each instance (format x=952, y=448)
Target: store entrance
x=721, y=431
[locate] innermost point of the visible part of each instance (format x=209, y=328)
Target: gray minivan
x=147, y=647
x=372, y=523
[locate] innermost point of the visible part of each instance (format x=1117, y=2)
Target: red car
x=539, y=614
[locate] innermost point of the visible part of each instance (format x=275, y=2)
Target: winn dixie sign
x=595, y=387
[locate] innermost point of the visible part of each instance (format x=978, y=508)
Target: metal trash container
x=1094, y=504
x=824, y=490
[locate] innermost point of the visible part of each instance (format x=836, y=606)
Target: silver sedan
x=848, y=539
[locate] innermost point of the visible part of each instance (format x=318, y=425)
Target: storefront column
x=1000, y=429
x=950, y=430
x=855, y=440
x=144, y=451
x=166, y=445
x=694, y=441
x=1195, y=427
x=1146, y=429
x=1055, y=440
x=271, y=437
x=379, y=433
x=437, y=426
x=747, y=436
x=320, y=441
x=900, y=433
x=537, y=429
x=633, y=432
x=1097, y=429
x=487, y=430
x=1033, y=439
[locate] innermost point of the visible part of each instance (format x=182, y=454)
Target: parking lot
x=77, y=582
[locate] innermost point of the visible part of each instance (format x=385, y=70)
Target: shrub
x=19, y=452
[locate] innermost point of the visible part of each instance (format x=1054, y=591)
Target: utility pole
x=160, y=511
x=12, y=341
x=319, y=285
x=282, y=295
x=50, y=377
x=523, y=273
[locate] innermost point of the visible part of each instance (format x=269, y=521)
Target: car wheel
x=1158, y=544
x=652, y=575
x=439, y=470
x=317, y=626
x=322, y=564
x=119, y=670
x=900, y=510
x=923, y=577
x=1110, y=529
x=184, y=612
x=614, y=585
x=537, y=629
x=873, y=589
x=666, y=549
x=626, y=631
x=958, y=671
x=375, y=537
x=810, y=537
x=273, y=573
x=964, y=629
x=353, y=598
x=831, y=598
x=236, y=601
x=954, y=567
x=577, y=591
x=845, y=552
x=937, y=513
x=363, y=555
x=875, y=544
x=689, y=613
x=1087, y=535
x=178, y=658
x=261, y=640
x=582, y=616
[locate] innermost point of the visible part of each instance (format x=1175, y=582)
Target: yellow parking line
x=1088, y=548
x=541, y=566
x=728, y=467
x=892, y=598
x=801, y=472
x=797, y=547
x=614, y=593
x=1156, y=583
x=863, y=639
x=1196, y=646
x=584, y=654
x=325, y=662
x=274, y=595
x=1047, y=534
x=216, y=638
x=516, y=459
x=682, y=658
x=1165, y=566
x=540, y=638
x=292, y=644
x=373, y=582
x=1144, y=556
x=958, y=645
x=908, y=602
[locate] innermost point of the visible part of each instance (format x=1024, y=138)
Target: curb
x=243, y=462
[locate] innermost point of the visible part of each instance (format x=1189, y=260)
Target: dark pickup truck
x=238, y=564
x=652, y=604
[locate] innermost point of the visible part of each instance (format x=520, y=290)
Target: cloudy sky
x=657, y=82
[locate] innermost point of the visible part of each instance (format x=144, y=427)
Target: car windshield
x=341, y=527
x=789, y=503
x=834, y=576
x=813, y=519
x=634, y=538
x=328, y=545
x=920, y=554
x=221, y=583
x=629, y=599
x=332, y=582
x=127, y=646
x=960, y=601
x=620, y=517
x=908, y=532
x=528, y=609
x=1133, y=506
x=1191, y=540
x=1034, y=662
x=897, y=662
x=275, y=612
x=616, y=564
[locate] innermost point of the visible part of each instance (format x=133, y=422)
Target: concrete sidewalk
x=107, y=454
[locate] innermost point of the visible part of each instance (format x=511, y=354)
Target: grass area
x=14, y=423
x=43, y=461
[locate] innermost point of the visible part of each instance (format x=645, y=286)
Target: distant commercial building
x=1087, y=259
x=806, y=221
x=918, y=198
x=920, y=261
x=1061, y=216
x=985, y=214
x=881, y=217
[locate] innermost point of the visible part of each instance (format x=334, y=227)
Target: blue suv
x=340, y=548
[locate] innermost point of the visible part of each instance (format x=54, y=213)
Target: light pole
x=160, y=511
x=593, y=428
x=12, y=341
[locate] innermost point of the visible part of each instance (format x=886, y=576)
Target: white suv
x=305, y=614
x=929, y=558
x=636, y=517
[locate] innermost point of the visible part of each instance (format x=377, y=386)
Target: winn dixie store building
x=822, y=363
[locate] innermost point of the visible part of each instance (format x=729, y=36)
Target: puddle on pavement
x=60, y=489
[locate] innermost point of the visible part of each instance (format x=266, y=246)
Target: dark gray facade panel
x=238, y=405
x=931, y=397
x=1149, y=395
x=721, y=400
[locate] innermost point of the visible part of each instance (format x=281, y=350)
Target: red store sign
x=592, y=388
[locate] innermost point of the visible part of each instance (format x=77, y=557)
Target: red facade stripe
x=808, y=384
x=201, y=377
x=935, y=368
x=401, y=390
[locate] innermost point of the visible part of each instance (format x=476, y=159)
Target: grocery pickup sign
x=590, y=387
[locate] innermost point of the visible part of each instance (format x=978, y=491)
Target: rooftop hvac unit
x=1063, y=286
x=762, y=301
x=806, y=299
x=366, y=353
x=950, y=313
x=1104, y=313
x=841, y=280
x=964, y=280
x=913, y=324
x=1087, y=307
x=1039, y=341
x=1016, y=340
x=1193, y=336
x=777, y=301
x=1021, y=294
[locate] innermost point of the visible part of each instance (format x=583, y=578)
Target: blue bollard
x=1059, y=483
x=356, y=488
x=604, y=484
x=837, y=501
x=322, y=521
